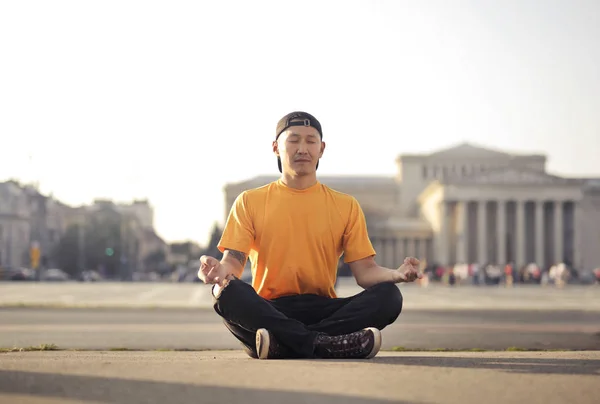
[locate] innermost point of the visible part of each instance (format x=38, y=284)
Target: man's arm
x=233, y=262
x=360, y=254
x=367, y=273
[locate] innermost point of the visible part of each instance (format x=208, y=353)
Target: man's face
x=299, y=148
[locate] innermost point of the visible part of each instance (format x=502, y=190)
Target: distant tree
x=212, y=249
x=154, y=260
x=101, y=244
x=67, y=250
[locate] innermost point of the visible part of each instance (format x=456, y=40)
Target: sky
x=172, y=100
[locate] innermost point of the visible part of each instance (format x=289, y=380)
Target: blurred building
x=182, y=253
x=469, y=204
x=15, y=225
x=138, y=237
x=141, y=209
x=28, y=218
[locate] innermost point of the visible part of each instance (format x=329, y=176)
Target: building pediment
x=467, y=150
x=514, y=176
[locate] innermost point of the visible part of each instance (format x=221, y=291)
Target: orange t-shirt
x=294, y=238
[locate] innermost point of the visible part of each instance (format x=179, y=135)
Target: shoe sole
x=262, y=343
x=376, y=342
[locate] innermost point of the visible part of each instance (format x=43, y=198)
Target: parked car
x=54, y=275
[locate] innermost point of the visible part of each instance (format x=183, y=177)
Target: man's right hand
x=211, y=271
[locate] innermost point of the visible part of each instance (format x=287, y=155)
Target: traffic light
x=109, y=251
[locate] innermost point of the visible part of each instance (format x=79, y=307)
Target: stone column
x=501, y=228
x=410, y=247
x=577, y=235
x=558, y=232
x=520, y=234
x=539, y=234
x=389, y=252
x=462, y=230
x=389, y=248
x=381, y=251
x=481, y=233
x=377, y=246
x=442, y=237
x=418, y=243
x=400, y=252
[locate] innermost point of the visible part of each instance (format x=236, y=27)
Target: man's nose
x=303, y=148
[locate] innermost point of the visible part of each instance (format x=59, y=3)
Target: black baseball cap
x=297, y=118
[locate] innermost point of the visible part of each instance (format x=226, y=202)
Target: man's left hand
x=408, y=271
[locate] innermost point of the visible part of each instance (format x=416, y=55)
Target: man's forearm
x=233, y=262
x=374, y=275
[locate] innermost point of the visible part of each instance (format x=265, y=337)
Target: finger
x=411, y=275
x=202, y=277
x=212, y=274
x=204, y=270
x=208, y=260
x=412, y=261
x=398, y=276
x=209, y=276
x=202, y=274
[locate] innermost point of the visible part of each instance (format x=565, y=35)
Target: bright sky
x=171, y=100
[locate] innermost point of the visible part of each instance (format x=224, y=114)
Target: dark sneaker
x=249, y=352
x=267, y=346
x=363, y=344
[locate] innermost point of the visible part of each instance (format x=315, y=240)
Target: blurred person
x=294, y=231
x=424, y=281
x=508, y=274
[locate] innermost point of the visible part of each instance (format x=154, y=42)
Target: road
x=161, y=328
x=162, y=316
x=230, y=377
x=167, y=315
x=188, y=295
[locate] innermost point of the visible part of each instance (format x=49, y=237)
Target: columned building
x=505, y=216
x=470, y=204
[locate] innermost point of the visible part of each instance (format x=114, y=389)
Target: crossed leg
x=295, y=321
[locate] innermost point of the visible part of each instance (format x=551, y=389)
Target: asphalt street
x=230, y=377
x=105, y=328
x=196, y=295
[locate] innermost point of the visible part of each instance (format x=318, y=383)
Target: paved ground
x=201, y=329
x=434, y=317
x=229, y=377
x=178, y=316
x=184, y=295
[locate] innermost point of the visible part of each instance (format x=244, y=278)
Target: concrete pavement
x=197, y=295
x=231, y=377
x=106, y=328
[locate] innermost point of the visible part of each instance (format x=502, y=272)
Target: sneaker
x=363, y=344
x=249, y=351
x=267, y=346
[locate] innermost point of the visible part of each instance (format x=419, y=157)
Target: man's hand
x=211, y=271
x=408, y=271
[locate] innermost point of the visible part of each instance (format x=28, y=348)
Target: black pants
x=296, y=320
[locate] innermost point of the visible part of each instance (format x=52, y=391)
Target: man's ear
x=322, y=148
x=275, y=148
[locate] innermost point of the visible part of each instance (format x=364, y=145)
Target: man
x=294, y=231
